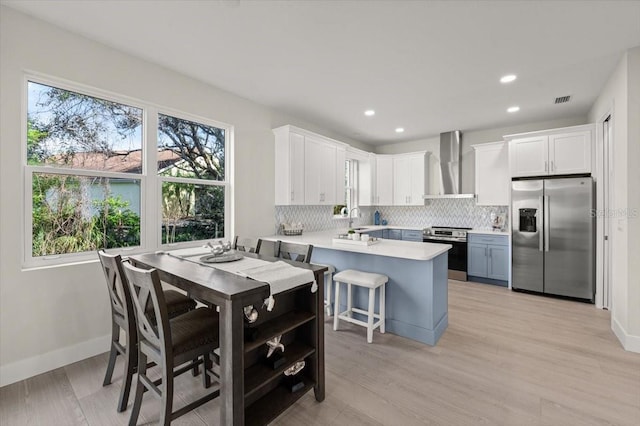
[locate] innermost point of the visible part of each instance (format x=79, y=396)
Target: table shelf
x=277, y=327
x=274, y=403
x=259, y=375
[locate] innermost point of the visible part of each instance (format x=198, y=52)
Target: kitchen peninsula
x=416, y=293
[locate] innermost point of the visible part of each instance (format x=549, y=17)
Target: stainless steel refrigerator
x=553, y=236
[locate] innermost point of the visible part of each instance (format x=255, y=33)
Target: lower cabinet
x=411, y=235
x=394, y=234
x=488, y=258
x=375, y=234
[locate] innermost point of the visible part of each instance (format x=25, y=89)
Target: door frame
x=604, y=203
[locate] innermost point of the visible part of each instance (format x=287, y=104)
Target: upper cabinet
x=289, y=167
x=309, y=168
x=409, y=179
x=492, y=174
x=384, y=181
x=570, y=152
x=551, y=152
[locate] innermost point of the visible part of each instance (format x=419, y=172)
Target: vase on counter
x=376, y=218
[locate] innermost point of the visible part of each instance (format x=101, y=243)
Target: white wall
x=622, y=92
x=51, y=317
x=475, y=137
x=633, y=193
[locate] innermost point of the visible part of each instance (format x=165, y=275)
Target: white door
x=401, y=180
x=608, y=204
x=570, y=153
x=312, y=171
x=384, y=181
x=528, y=156
x=416, y=180
x=296, y=158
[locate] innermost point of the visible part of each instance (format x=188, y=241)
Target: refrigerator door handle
x=540, y=232
x=546, y=223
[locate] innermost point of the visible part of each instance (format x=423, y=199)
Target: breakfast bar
x=416, y=293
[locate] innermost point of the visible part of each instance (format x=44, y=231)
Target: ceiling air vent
x=562, y=99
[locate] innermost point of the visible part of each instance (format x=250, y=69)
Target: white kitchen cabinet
x=366, y=180
x=340, y=182
x=409, y=171
x=309, y=168
x=492, y=174
x=528, y=156
x=551, y=152
x=320, y=172
x=289, y=167
x=570, y=153
x=384, y=180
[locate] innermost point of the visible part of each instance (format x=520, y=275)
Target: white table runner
x=280, y=276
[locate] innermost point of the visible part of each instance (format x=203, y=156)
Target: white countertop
x=390, y=248
x=370, y=228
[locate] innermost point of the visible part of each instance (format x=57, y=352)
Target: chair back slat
x=118, y=292
x=146, y=287
x=294, y=251
x=250, y=245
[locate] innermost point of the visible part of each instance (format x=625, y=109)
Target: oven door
x=457, y=257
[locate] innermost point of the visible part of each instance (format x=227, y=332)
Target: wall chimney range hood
x=448, y=161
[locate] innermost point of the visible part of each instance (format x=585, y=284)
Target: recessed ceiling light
x=513, y=109
x=508, y=78
x=369, y=112
x=399, y=129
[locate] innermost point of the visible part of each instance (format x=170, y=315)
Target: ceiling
x=426, y=66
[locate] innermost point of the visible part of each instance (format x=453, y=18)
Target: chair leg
x=137, y=401
x=129, y=369
x=113, y=354
x=207, y=365
x=370, y=318
x=329, y=280
x=196, y=368
x=337, y=309
x=167, y=395
x=382, y=308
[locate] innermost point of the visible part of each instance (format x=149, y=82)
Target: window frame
x=150, y=181
x=226, y=183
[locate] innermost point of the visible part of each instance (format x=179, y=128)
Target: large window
x=193, y=179
x=92, y=166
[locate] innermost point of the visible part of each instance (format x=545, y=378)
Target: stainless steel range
x=457, y=257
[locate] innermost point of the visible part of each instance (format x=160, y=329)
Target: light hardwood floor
x=506, y=359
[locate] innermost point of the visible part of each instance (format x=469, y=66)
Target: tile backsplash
x=461, y=212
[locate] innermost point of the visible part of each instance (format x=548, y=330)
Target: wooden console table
x=253, y=393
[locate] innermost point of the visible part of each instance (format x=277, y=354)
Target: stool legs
x=349, y=301
x=382, y=305
x=336, y=313
x=370, y=316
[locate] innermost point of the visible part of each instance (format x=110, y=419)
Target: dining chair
x=123, y=318
x=169, y=343
x=250, y=245
x=294, y=251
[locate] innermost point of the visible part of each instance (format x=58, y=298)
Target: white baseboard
x=42, y=363
x=629, y=342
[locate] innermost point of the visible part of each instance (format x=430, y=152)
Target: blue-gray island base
x=416, y=294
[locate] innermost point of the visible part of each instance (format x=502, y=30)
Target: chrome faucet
x=351, y=218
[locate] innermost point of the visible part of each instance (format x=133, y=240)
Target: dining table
x=252, y=391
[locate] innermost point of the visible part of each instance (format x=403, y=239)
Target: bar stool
x=361, y=279
x=328, y=279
